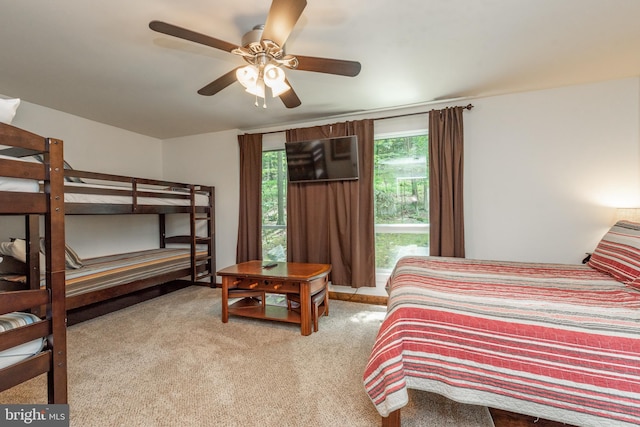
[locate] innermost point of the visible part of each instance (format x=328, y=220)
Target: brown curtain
x=446, y=143
x=250, y=219
x=332, y=222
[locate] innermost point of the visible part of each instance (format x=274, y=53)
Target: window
x=274, y=209
x=401, y=197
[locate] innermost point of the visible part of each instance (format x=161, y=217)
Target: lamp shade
x=257, y=89
x=247, y=76
x=274, y=78
x=254, y=79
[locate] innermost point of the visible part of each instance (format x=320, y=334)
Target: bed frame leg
x=392, y=420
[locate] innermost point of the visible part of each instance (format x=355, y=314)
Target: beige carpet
x=171, y=361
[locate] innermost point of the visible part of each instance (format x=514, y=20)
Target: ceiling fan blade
x=183, y=33
x=282, y=17
x=328, y=66
x=289, y=98
x=219, y=84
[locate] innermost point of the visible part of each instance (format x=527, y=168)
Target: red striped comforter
x=561, y=342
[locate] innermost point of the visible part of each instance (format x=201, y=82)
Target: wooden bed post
x=32, y=238
x=162, y=228
x=392, y=420
x=206, y=214
x=55, y=255
x=211, y=233
x=192, y=227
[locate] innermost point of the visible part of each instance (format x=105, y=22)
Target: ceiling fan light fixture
x=257, y=89
x=247, y=76
x=279, y=89
x=274, y=78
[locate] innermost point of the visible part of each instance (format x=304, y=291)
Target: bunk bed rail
x=139, y=194
x=21, y=143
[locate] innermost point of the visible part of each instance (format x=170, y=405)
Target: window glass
x=274, y=208
x=401, y=191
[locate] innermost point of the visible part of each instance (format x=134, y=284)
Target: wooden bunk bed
x=22, y=196
x=190, y=255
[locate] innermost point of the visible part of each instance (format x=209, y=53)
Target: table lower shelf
x=248, y=307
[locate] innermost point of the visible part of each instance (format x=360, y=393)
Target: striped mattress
x=560, y=342
x=113, y=270
x=22, y=351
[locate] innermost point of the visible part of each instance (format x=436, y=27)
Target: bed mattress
x=71, y=197
x=113, y=270
x=18, y=184
x=23, y=351
x=108, y=271
x=561, y=342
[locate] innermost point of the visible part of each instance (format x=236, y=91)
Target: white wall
x=93, y=146
x=544, y=170
x=210, y=159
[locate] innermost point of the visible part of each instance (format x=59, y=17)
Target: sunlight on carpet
x=368, y=317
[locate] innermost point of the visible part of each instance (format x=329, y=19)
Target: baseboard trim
x=355, y=297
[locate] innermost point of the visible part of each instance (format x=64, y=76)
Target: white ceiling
x=100, y=60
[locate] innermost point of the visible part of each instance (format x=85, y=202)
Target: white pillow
x=16, y=249
x=8, y=108
x=71, y=258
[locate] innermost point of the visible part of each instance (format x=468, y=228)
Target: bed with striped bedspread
x=560, y=342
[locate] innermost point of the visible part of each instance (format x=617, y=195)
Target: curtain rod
x=466, y=107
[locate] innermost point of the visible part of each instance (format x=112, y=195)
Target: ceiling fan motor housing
x=259, y=52
x=253, y=36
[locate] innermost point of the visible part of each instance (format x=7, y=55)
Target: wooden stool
x=319, y=305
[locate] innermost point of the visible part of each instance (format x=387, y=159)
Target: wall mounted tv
x=329, y=159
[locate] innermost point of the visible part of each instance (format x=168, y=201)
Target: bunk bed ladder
x=202, y=266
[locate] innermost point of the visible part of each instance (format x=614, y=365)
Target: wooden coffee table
x=285, y=278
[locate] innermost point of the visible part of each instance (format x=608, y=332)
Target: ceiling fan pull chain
x=264, y=102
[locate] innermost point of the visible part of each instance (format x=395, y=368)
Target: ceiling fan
x=263, y=49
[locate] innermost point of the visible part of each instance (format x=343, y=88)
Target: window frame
x=415, y=228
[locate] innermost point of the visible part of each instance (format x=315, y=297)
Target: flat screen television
x=328, y=159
